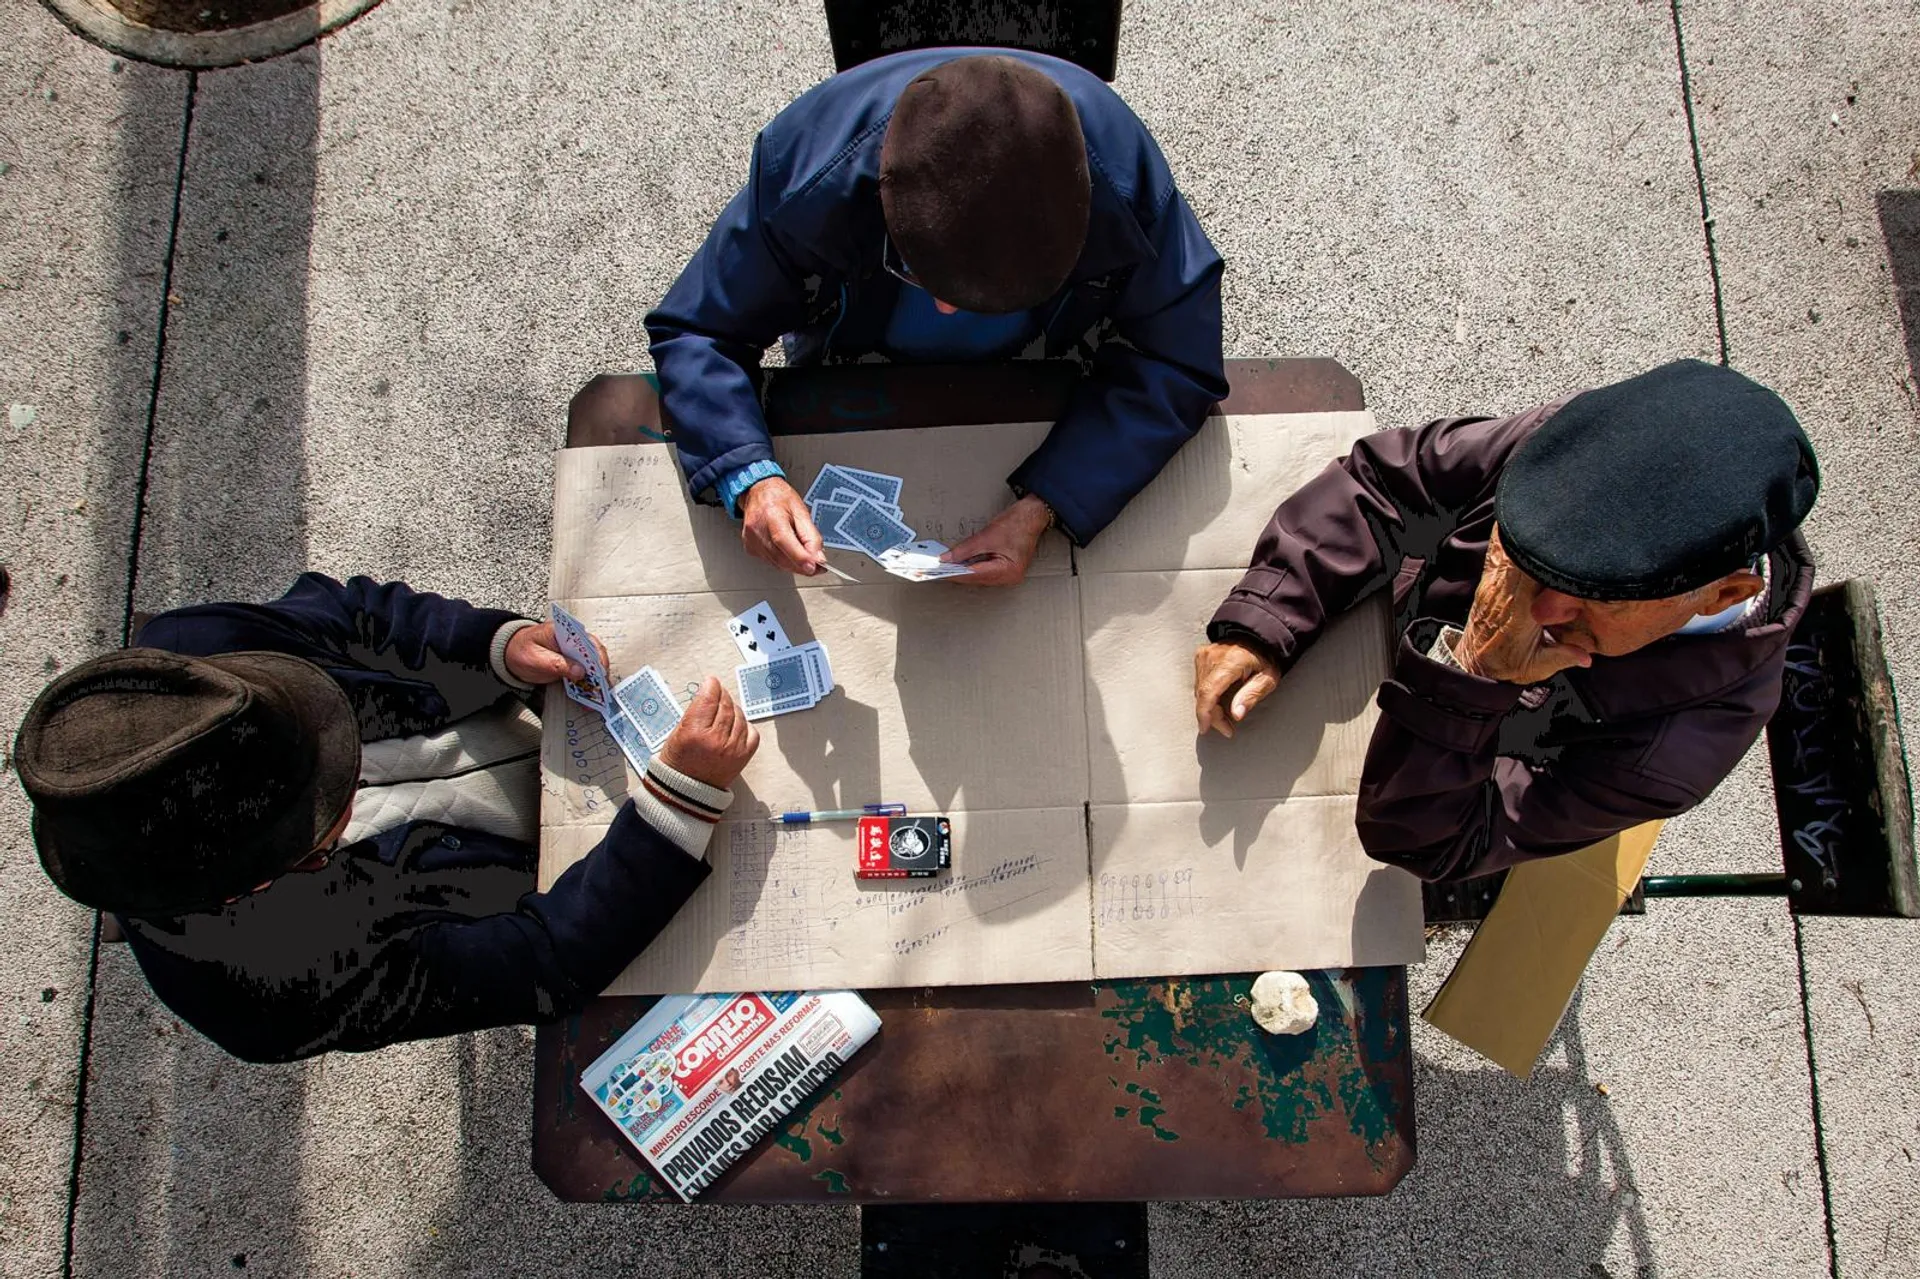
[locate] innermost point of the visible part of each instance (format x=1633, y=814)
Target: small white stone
x=1283, y=1003
x=22, y=416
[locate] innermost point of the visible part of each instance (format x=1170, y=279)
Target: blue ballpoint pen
x=801, y=818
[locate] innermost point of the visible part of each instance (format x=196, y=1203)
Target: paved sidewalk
x=327, y=311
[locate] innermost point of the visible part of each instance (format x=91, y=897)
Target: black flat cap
x=1657, y=485
x=983, y=180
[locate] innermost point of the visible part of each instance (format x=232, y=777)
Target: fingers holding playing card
x=920, y=562
x=1000, y=553
x=534, y=656
x=776, y=528
x=590, y=685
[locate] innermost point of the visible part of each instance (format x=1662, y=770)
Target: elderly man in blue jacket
x=950, y=205
x=316, y=818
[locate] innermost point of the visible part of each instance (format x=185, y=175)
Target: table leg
x=1004, y=1241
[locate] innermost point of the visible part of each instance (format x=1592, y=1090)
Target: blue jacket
x=798, y=251
x=422, y=930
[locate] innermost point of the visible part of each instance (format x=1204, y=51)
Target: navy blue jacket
x=425, y=929
x=798, y=251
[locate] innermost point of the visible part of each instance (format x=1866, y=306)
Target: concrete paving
x=400, y=252
x=403, y=250
x=1865, y=1025
x=88, y=152
x=1812, y=175
x=1476, y=208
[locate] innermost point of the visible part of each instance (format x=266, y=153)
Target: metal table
x=1064, y=1092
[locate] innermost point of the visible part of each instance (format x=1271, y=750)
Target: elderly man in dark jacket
x=316, y=818
x=1594, y=599
x=950, y=205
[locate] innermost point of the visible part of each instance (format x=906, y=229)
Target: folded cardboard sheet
x=1518, y=974
x=1094, y=835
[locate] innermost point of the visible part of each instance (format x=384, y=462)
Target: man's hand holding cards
x=858, y=510
x=920, y=562
x=573, y=640
x=640, y=711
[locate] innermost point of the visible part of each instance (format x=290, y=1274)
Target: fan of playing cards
x=640, y=710
x=778, y=675
x=859, y=510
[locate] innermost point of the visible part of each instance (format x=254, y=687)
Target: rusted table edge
x=556, y=1079
x=623, y=408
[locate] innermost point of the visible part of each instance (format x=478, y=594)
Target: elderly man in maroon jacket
x=1593, y=598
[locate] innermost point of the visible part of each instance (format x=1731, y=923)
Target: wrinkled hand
x=714, y=740
x=1502, y=641
x=533, y=657
x=1000, y=553
x=776, y=528
x=1223, y=669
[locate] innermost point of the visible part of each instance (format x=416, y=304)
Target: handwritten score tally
x=1094, y=835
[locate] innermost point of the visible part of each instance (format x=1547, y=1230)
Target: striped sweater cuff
x=682, y=809
x=497, y=653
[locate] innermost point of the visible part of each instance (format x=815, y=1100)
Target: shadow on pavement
x=189, y=1157
x=1900, y=224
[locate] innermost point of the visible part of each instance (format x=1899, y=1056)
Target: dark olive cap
x=983, y=180
x=164, y=784
x=1657, y=485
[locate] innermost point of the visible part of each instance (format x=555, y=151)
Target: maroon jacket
x=1465, y=775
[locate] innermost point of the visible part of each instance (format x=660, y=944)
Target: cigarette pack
x=904, y=847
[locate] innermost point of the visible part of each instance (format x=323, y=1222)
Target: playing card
x=845, y=496
x=839, y=573
x=776, y=686
x=931, y=573
x=920, y=562
x=632, y=745
x=826, y=518
x=757, y=633
x=819, y=669
x=914, y=554
x=573, y=640
x=871, y=529
x=887, y=486
x=650, y=704
x=832, y=477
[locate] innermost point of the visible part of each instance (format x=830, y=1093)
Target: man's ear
x=1736, y=587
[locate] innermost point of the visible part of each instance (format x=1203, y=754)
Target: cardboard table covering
x=1094, y=836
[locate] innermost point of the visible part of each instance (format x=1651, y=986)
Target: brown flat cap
x=983, y=180
x=164, y=784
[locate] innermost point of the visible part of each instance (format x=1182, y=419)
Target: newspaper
x=701, y=1078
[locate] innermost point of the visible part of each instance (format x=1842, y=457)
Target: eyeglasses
x=896, y=266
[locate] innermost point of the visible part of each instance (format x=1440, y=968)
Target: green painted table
x=1108, y=1091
